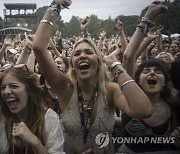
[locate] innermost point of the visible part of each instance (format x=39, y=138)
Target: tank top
x=103, y=123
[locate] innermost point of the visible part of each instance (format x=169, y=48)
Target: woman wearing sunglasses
x=31, y=128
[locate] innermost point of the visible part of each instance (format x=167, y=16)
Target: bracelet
x=84, y=33
x=58, y=7
x=55, y=7
x=147, y=24
x=143, y=29
x=147, y=21
x=48, y=22
x=117, y=73
x=125, y=83
x=140, y=28
x=111, y=67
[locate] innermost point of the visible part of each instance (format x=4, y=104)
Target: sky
x=102, y=8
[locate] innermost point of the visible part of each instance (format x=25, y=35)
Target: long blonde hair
x=102, y=70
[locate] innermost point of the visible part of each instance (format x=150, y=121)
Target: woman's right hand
x=7, y=41
x=155, y=8
x=63, y=2
x=22, y=131
x=119, y=25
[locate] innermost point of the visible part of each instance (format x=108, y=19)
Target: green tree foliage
x=109, y=26
x=94, y=26
x=130, y=23
x=1, y=23
x=170, y=20
x=40, y=12
x=73, y=27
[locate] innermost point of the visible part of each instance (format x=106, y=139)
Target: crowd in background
x=148, y=60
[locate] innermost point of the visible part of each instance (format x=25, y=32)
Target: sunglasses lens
x=6, y=66
x=18, y=66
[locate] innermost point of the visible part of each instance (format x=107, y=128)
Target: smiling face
x=14, y=93
x=173, y=49
x=152, y=80
x=10, y=56
x=154, y=52
x=84, y=61
x=60, y=63
x=166, y=57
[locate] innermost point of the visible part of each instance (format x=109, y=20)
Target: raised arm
x=153, y=11
x=127, y=95
x=58, y=81
x=27, y=49
x=159, y=39
x=55, y=50
x=7, y=42
x=84, y=26
x=122, y=38
x=102, y=34
x=151, y=36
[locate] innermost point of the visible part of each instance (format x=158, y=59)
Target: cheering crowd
x=74, y=95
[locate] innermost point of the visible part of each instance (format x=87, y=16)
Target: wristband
x=125, y=83
x=147, y=24
x=117, y=73
x=48, y=22
x=111, y=67
x=147, y=21
x=55, y=7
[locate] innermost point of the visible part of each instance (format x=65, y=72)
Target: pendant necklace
x=87, y=104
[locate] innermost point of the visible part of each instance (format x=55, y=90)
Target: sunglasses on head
x=17, y=66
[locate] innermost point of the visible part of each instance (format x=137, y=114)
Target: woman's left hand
x=111, y=58
x=63, y=2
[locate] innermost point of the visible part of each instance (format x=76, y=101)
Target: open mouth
x=152, y=81
x=83, y=66
x=12, y=102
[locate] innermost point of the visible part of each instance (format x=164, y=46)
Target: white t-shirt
x=53, y=130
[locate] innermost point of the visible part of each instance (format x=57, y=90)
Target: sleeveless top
x=103, y=123
x=147, y=138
